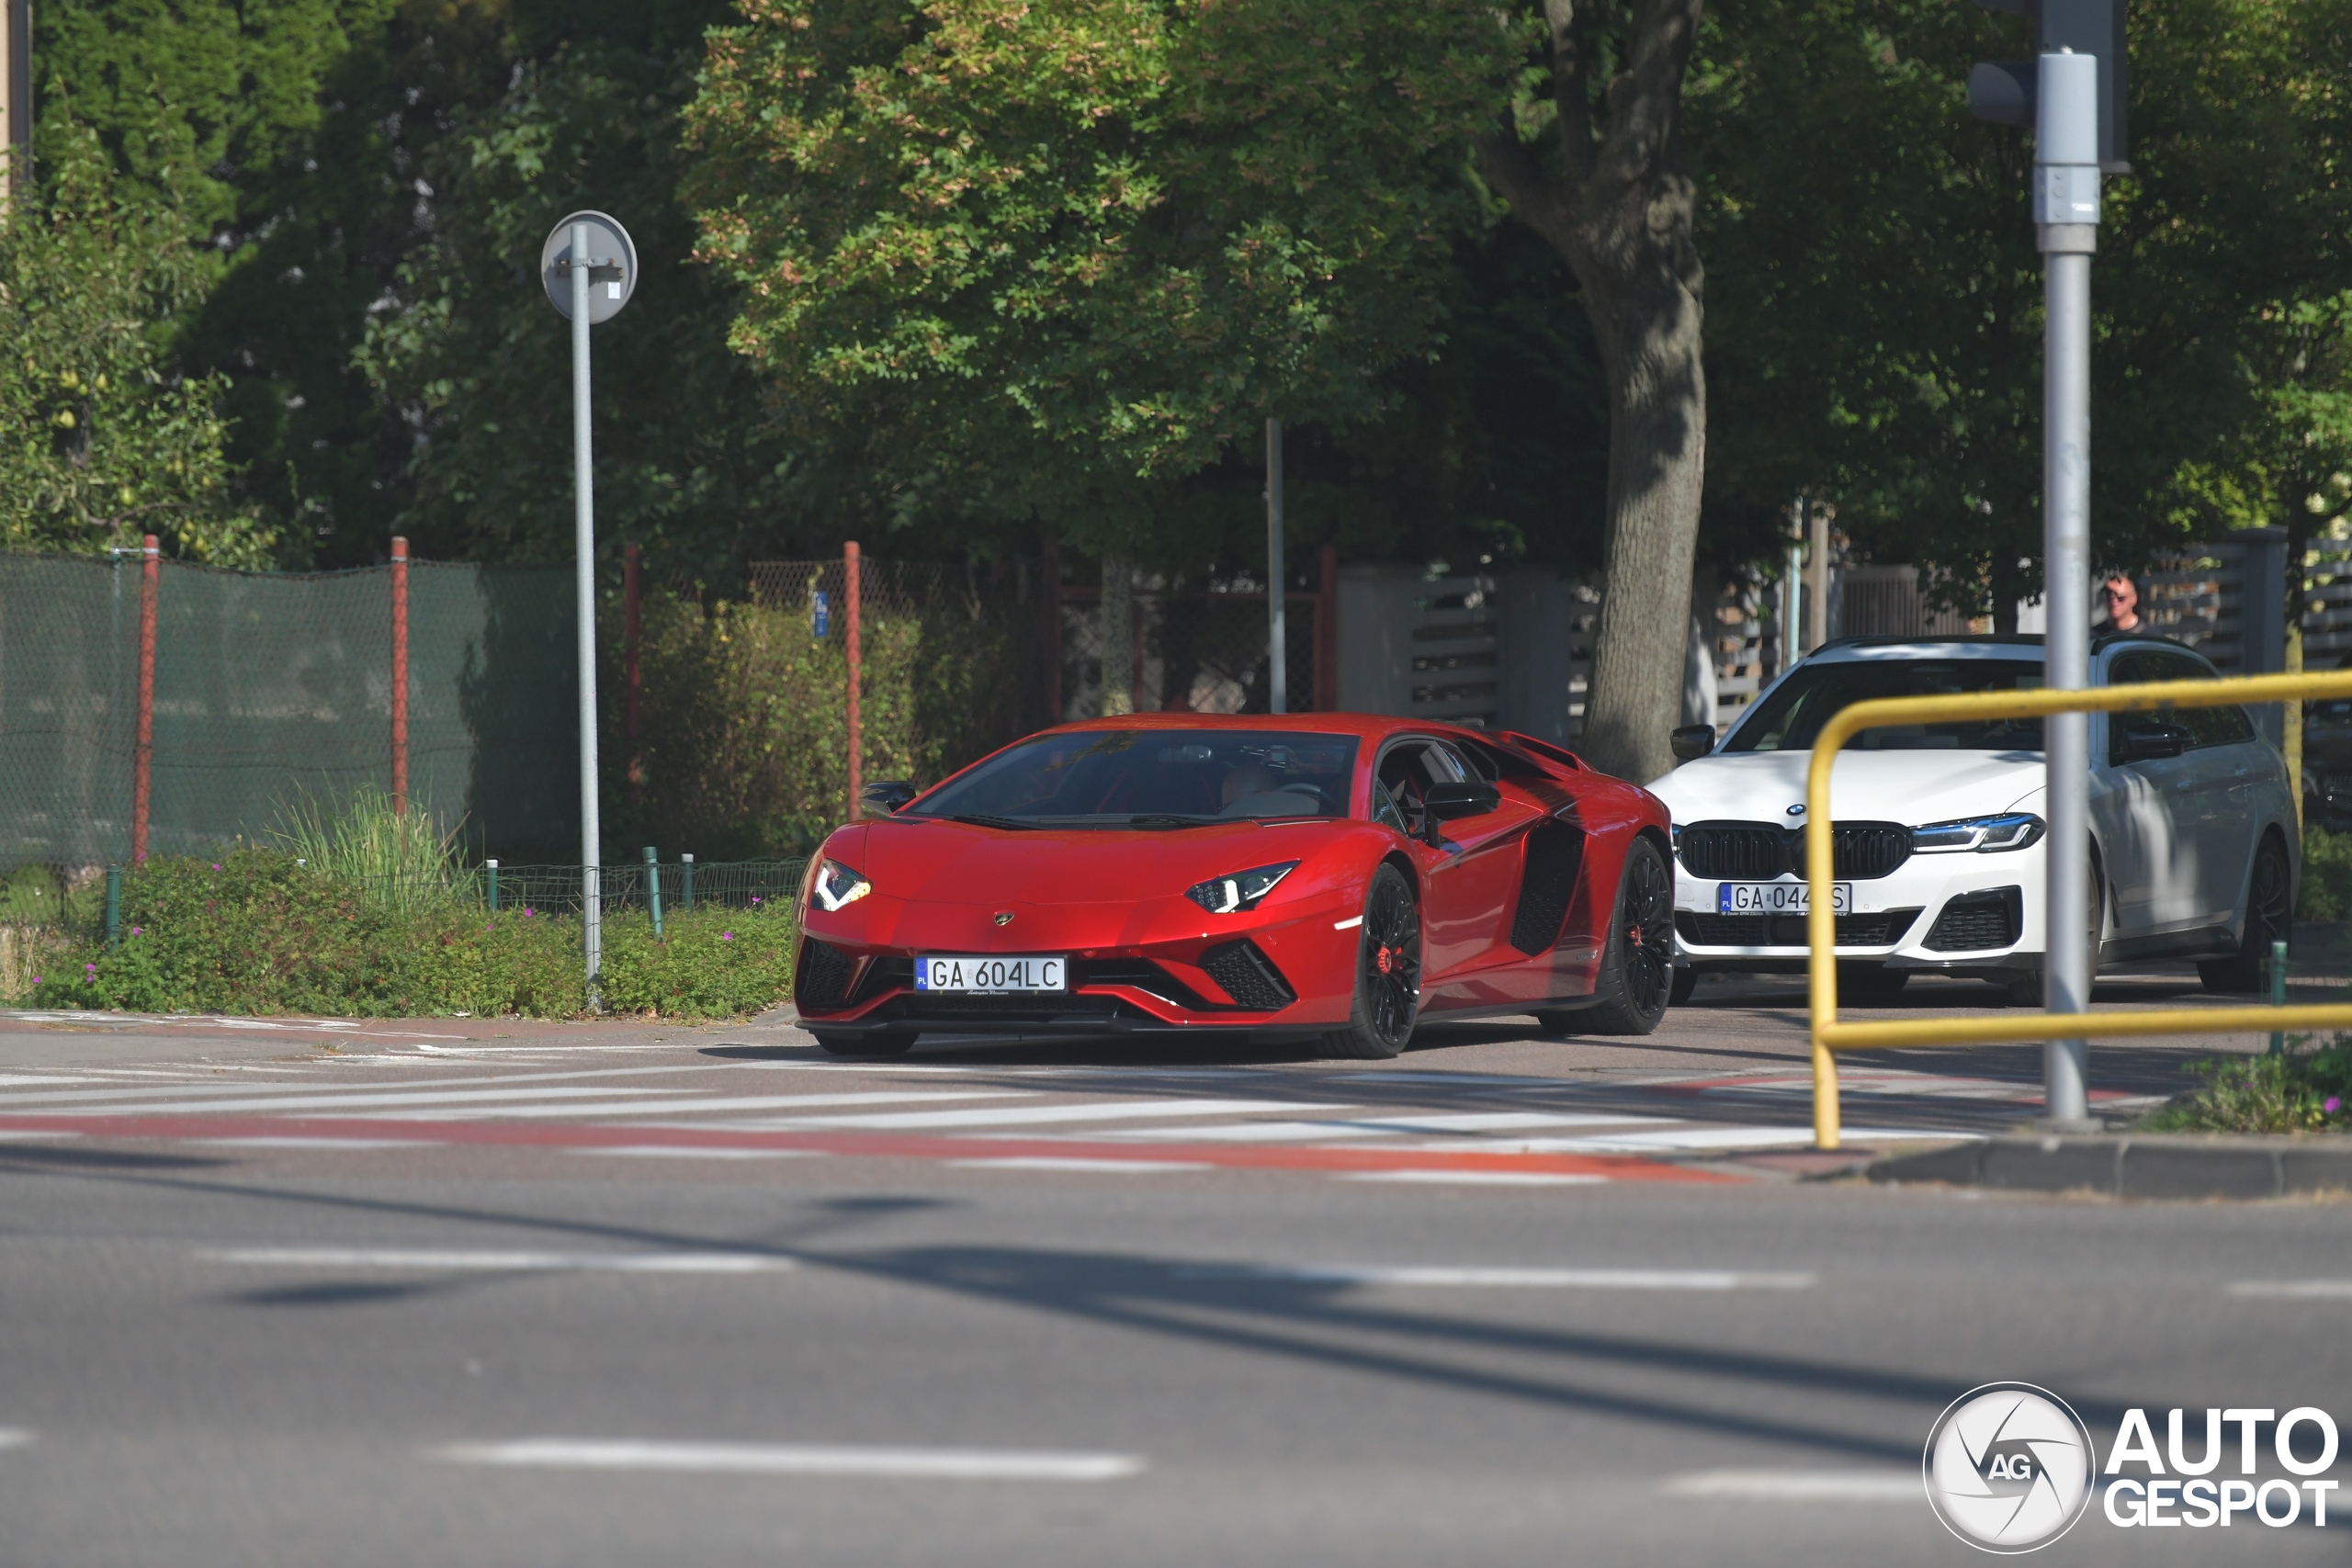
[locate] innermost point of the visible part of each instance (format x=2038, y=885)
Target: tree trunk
x=1616, y=203
x=1117, y=624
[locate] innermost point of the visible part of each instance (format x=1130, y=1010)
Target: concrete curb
x=2143, y=1167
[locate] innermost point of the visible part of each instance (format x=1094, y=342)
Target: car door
x=2228, y=760
x=1489, y=853
x=1454, y=881
x=2145, y=814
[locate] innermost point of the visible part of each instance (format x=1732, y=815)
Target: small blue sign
x=823, y=621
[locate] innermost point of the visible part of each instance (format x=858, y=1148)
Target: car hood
x=954, y=863
x=1910, y=788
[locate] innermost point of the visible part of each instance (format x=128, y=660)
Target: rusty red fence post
x=1327, y=632
x=143, y=753
x=636, y=774
x=399, y=675
x=852, y=598
x=1053, y=571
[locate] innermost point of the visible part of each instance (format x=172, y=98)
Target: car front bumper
x=1962, y=913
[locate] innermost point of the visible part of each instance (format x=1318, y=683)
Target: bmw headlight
x=837, y=887
x=1226, y=894
x=1985, y=835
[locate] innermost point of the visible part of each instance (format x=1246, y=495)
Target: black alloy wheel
x=1388, y=973
x=2269, y=912
x=1637, y=979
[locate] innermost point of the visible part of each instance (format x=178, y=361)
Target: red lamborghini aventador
x=1331, y=876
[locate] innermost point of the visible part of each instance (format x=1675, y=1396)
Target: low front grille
x=821, y=977
x=946, y=1006
x=1249, y=976
x=1759, y=851
x=1882, y=928
x=1976, y=921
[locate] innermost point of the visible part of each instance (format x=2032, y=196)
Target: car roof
x=1362, y=725
x=2026, y=646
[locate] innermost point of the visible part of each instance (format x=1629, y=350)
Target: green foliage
x=2326, y=891
x=2299, y=1090
x=256, y=933
x=1875, y=312
x=1070, y=253
x=100, y=443
x=403, y=857
x=750, y=756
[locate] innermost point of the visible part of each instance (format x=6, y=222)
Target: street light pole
x=2066, y=213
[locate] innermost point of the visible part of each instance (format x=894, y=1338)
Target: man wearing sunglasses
x=2122, y=599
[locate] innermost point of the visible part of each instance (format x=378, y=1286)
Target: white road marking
x=667, y=1151
x=1479, y=1178
x=47, y=1079
x=205, y=1090
x=15, y=1437
x=1244, y=1132
x=667, y=1107
x=1109, y=1111
x=1686, y=1138
x=1514, y=1278
x=1802, y=1485
x=315, y=1143
x=1347, y=925
x=1471, y=1081
x=490, y=1258
x=2293, y=1289
x=340, y=1100
x=1375, y=1127
x=798, y=1459
x=33, y=1137
x=1110, y=1167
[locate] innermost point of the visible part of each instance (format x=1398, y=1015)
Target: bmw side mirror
x=2153, y=743
x=887, y=796
x=1693, y=741
x=1448, y=801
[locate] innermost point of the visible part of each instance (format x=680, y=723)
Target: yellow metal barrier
x=1821, y=931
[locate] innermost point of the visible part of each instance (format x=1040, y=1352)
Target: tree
x=1595, y=165
x=100, y=443
x=1070, y=255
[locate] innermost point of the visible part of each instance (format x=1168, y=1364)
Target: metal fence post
x=143, y=750
x=653, y=890
x=2277, y=993
x=685, y=884
x=635, y=776
x=114, y=906
x=1277, y=578
x=491, y=867
x=854, y=599
x=400, y=676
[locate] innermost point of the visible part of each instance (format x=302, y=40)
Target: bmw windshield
x=1151, y=778
x=1792, y=713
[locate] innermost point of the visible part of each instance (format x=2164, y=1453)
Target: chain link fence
x=269, y=688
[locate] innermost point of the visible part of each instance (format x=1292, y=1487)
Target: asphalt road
x=477, y=1293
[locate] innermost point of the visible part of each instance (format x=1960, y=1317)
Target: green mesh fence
x=272, y=685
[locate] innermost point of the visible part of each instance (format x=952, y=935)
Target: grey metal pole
x=1277, y=632
x=2066, y=215
x=584, y=544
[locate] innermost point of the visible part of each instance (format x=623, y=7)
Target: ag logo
x=2008, y=1467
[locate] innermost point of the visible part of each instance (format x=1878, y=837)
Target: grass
x=403, y=858
x=257, y=931
x=2328, y=877
x=2304, y=1089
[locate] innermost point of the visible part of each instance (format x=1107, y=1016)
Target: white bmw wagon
x=1938, y=828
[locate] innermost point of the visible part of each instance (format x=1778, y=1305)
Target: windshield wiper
x=1011, y=824
x=1171, y=820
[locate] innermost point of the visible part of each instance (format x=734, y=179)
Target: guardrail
x=1830, y=1036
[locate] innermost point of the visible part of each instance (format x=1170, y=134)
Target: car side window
x=1383, y=810
x=2225, y=726
x=1446, y=765
x=2133, y=668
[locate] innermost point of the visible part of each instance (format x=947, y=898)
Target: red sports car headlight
x=1242, y=890
x=837, y=887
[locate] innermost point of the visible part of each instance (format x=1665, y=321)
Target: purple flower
x=36, y=979
x=527, y=914
x=727, y=936
x=756, y=897
x=2334, y=1103
x=90, y=968
x=135, y=930
x=216, y=868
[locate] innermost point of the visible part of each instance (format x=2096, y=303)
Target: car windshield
x=1791, y=713
x=1118, y=778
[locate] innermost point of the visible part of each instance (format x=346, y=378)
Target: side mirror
x=1448, y=801
x=1693, y=742
x=2153, y=743
x=887, y=796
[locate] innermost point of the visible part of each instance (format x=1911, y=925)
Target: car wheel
x=1685, y=982
x=1387, y=996
x=840, y=1042
x=1869, y=982
x=1638, y=964
x=2268, y=916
